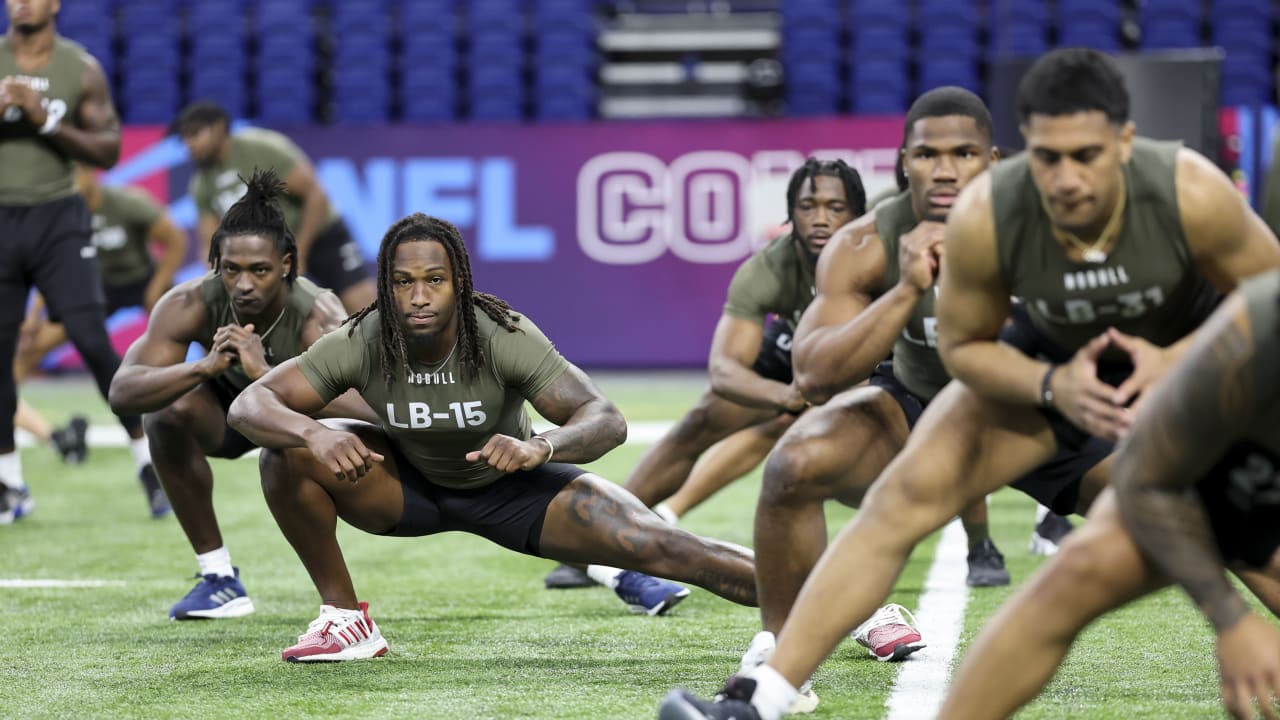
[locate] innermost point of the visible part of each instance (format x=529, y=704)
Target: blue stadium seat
x=880, y=101
x=1071, y=11
x=1020, y=11
x=1185, y=9
x=427, y=106
x=949, y=71
x=555, y=109
x=805, y=101
x=1242, y=35
x=948, y=13
x=360, y=96
x=878, y=13
x=285, y=100
x=283, y=15
x=496, y=15
x=881, y=42
x=1097, y=35
x=150, y=17
x=225, y=88
x=948, y=40
x=1161, y=33
x=1253, y=11
x=1020, y=40
x=496, y=107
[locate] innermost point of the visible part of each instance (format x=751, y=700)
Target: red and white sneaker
x=890, y=635
x=338, y=635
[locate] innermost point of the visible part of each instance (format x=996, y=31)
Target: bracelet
x=52, y=121
x=1046, y=387
x=551, y=449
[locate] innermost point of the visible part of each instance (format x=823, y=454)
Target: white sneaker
x=338, y=635
x=890, y=635
x=758, y=653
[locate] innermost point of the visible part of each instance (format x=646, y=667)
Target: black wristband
x=1046, y=387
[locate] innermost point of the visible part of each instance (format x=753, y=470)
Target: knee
x=693, y=426
x=176, y=419
x=279, y=468
x=1083, y=562
x=794, y=472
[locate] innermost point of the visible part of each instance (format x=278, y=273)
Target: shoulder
x=855, y=236
x=854, y=259
x=180, y=312
x=974, y=206
x=1207, y=200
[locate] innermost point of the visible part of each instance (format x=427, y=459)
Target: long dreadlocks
x=395, y=352
x=855, y=196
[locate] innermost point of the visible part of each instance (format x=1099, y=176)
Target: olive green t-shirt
x=217, y=187
x=777, y=279
x=281, y=338
x=121, y=228
x=1148, y=286
x=916, y=363
x=431, y=414
x=32, y=169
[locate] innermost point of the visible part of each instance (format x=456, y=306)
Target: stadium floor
x=472, y=632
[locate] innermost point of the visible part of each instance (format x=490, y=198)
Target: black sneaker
x=565, y=577
x=1049, y=533
x=14, y=504
x=156, y=499
x=986, y=566
x=733, y=703
x=70, y=440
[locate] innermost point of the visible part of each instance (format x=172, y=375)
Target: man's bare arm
x=94, y=137
x=734, y=348
x=153, y=372
x=590, y=425
x=1181, y=430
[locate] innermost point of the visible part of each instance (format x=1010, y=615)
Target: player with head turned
x=1195, y=490
x=326, y=251
x=750, y=361
x=125, y=223
x=55, y=108
x=1119, y=247
x=250, y=313
x=448, y=370
x=875, y=298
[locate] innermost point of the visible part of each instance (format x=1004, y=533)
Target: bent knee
x=798, y=470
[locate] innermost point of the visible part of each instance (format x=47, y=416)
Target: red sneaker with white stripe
x=338, y=635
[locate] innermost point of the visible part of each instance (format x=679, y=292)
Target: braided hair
x=395, y=352
x=855, y=195
x=258, y=213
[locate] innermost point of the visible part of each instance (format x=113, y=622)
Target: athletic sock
x=11, y=470
x=773, y=695
x=334, y=611
x=141, y=452
x=665, y=512
x=605, y=575
x=216, y=562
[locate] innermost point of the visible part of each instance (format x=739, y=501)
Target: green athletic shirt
x=431, y=415
x=1148, y=286
x=777, y=279
x=281, y=340
x=121, y=228
x=32, y=170
x=916, y=363
x=217, y=187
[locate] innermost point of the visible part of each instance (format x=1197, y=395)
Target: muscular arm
x=734, y=348
x=94, y=136
x=275, y=411
x=302, y=182
x=326, y=315
x=590, y=425
x=1168, y=450
x=843, y=333
x=1228, y=241
x=153, y=373
x=173, y=242
x=973, y=304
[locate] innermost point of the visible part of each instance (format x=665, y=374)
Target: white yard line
x=922, y=681
x=30, y=583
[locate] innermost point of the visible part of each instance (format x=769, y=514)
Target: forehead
x=826, y=186
x=946, y=131
x=1068, y=132
x=420, y=255
x=245, y=249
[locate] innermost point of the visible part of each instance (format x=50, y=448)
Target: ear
x=288, y=264
x=995, y=153
x=1127, y=132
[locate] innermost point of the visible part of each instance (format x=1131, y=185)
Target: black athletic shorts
x=1242, y=497
x=47, y=245
x=508, y=511
x=132, y=294
x=1056, y=483
x=912, y=405
x=336, y=261
x=774, y=360
x=233, y=443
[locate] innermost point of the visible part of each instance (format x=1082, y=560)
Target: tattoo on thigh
x=592, y=509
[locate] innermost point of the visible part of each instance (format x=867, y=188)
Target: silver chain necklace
x=264, y=335
x=446, y=357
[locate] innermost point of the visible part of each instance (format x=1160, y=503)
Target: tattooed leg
x=594, y=521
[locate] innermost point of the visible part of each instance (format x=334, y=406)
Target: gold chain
x=1091, y=252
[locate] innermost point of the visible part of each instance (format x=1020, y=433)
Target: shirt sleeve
x=336, y=362
x=753, y=292
x=202, y=194
x=278, y=153
x=525, y=359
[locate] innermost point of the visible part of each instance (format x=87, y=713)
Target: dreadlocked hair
x=855, y=195
x=395, y=351
x=258, y=213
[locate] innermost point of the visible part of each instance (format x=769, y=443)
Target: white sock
x=333, y=610
x=11, y=470
x=605, y=575
x=1041, y=511
x=773, y=695
x=141, y=452
x=665, y=512
x=216, y=562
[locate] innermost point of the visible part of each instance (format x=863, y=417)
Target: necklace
x=1092, y=252
x=443, y=362
x=236, y=317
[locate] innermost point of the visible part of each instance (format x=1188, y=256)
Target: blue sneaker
x=647, y=594
x=214, y=597
x=157, y=501
x=15, y=503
